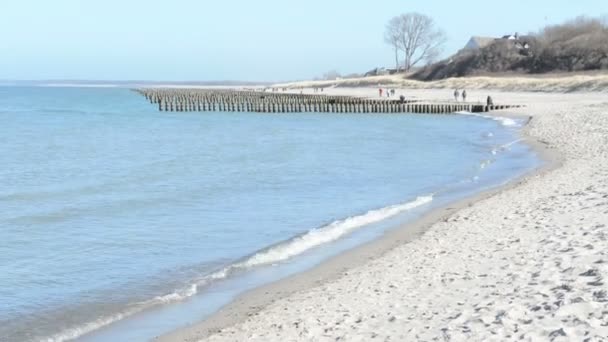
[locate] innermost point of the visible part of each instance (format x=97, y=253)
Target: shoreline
x=252, y=302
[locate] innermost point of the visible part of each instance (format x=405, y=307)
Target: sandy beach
x=525, y=262
x=303, y=171
x=554, y=82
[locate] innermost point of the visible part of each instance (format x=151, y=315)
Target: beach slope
x=528, y=263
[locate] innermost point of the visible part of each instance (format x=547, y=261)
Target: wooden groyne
x=224, y=100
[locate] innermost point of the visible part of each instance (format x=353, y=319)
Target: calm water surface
x=109, y=209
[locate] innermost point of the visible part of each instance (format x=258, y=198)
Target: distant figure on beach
x=388, y=93
x=402, y=98
x=464, y=95
x=393, y=92
x=380, y=92
x=490, y=101
x=456, y=94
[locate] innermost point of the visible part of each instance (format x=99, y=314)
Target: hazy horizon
x=267, y=41
x=111, y=81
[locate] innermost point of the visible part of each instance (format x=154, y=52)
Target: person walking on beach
x=456, y=94
x=490, y=101
x=380, y=91
x=464, y=95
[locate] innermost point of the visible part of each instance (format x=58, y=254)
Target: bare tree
x=392, y=37
x=418, y=38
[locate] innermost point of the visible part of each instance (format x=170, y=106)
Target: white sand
x=593, y=81
x=528, y=263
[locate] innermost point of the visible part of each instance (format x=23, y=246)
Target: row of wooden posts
x=201, y=100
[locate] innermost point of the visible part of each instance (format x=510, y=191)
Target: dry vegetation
x=562, y=58
x=577, y=45
x=581, y=44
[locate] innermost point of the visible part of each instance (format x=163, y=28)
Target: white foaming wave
x=504, y=147
x=507, y=145
x=507, y=122
x=76, y=332
x=175, y=296
x=329, y=233
x=296, y=246
x=485, y=163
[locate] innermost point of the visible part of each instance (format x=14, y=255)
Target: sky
x=248, y=40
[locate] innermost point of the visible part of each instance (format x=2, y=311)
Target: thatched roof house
x=477, y=42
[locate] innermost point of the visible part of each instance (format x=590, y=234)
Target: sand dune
x=561, y=83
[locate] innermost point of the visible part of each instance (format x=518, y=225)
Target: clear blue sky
x=264, y=40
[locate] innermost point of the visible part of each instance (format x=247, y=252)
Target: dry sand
x=528, y=262
x=546, y=83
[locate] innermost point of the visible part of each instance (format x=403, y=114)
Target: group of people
x=388, y=92
x=274, y=90
x=391, y=92
x=457, y=95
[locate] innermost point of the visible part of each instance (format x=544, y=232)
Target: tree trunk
x=396, y=59
x=407, y=62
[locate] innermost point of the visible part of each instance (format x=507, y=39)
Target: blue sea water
x=115, y=217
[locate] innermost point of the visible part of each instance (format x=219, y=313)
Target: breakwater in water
x=225, y=100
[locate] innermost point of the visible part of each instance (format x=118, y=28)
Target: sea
x=121, y=223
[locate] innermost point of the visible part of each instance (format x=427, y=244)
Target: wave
x=329, y=233
x=280, y=252
x=74, y=333
x=505, y=147
x=495, y=150
x=507, y=122
x=83, y=329
x=483, y=164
